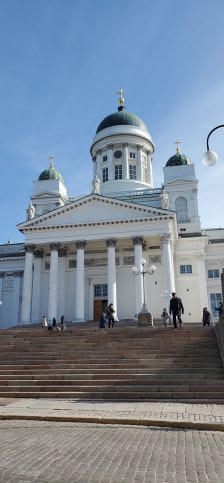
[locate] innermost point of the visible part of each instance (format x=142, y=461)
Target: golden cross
x=178, y=147
x=121, y=98
x=51, y=158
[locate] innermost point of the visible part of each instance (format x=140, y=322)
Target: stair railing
x=219, y=332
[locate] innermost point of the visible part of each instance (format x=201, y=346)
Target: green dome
x=178, y=159
x=121, y=118
x=50, y=173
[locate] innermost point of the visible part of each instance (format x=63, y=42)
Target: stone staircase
x=124, y=363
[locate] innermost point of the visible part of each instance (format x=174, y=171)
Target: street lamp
x=210, y=157
x=144, y=272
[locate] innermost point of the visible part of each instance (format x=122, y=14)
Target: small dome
x=121, y=118
x=178, y=159
x=50, y=173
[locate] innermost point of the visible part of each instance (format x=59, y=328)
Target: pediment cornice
x=148, y=214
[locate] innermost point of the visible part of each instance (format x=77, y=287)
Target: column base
x=145, y=317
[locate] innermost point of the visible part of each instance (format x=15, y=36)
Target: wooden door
x=97, y=309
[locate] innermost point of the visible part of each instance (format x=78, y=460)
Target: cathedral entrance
x=100, y=305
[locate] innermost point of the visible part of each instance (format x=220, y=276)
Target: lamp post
x=144, y=316
x=210, y=157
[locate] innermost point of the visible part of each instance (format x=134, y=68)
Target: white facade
x=78, y=255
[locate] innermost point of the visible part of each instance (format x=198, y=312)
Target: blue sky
x=62, y=62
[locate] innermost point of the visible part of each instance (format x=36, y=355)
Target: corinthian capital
x=29, y=248
x=111, y=242
x=166, y=238
x=80, y=244
x=54, y=246
x=138, y=240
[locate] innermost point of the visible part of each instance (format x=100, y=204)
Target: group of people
x=107, y=317
x=46, y=325
x=177, y=309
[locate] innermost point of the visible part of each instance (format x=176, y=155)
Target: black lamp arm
x=217, y=127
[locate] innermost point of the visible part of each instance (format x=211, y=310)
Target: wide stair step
x=126, y=363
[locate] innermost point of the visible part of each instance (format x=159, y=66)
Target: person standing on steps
x=176, y=308
x=110, y=315
x=206, y=318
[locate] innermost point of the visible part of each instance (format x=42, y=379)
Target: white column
x=1, y=285
x=90, y=299
x=35, y=315
x=80, y=285
x=110, y=163
x=139, y=162
x=149, y=167
x=98, y=165
x=53, y=282
x=111, y=273
x=168, y=265
x=15, y=299
x=62, y=253
x=139, y=296
x=27, y=284
x=126, y=163
x=202, y=280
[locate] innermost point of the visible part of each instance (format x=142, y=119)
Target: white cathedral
x=79, y=252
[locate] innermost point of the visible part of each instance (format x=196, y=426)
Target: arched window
x=181, y=208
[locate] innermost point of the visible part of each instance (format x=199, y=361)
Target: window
x=185, y=269
x=118, y=171
x=100, y=290
x=105, y=157
x=72, y=263
x=213, y=273
x=47, y=265
x=132, y=155
x=215, y=298
x=132, y=171
x=144, y=172
x=105, y=175
x=181, y=209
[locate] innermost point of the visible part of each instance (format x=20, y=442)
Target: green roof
x=178, y=159
x=50, y=173
x=121, y=118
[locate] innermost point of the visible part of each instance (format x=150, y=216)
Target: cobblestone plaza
x=46, y=452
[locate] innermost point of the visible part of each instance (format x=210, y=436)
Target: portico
x=99, y=252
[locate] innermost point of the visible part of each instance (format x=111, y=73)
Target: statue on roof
x=164, y=198
x=30, y=212
x=96, y=186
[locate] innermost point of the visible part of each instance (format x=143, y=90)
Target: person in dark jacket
x=206, y=319
x=110, y=315
x=176, y=308
x=103, y=320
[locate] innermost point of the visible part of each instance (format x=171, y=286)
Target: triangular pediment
x=95, y=209
x=44, y=195
x=180, y=181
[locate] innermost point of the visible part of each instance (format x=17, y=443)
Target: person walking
x=110, y=315
x=165, y=317
x=54, y=323
x=44, y=322
x=206, y=318
x=176, y=308
x=103, y=320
